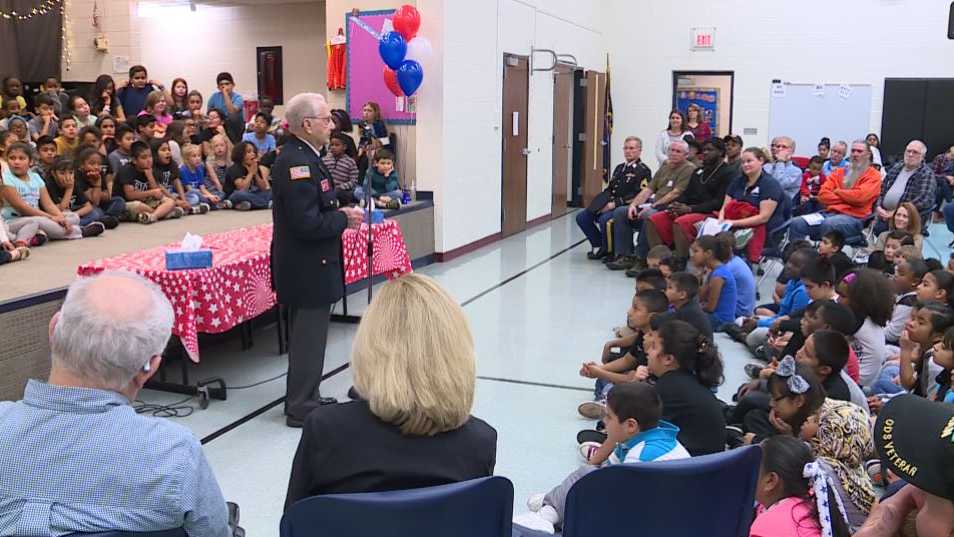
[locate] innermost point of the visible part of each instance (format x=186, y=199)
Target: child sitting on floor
x=796, y=394
x=10, y=252
x=719, y=293
x=646, y=280
x=62, y=188
x=45, y=122
x=944, y=358
x=919, y=372
x=217, y=164
x=166, y=173
x=630, y=367
x=384, y=182
x=681, y=290
x=785, y=492
x=893, y=242
x=94, y=184
x=260, y=136
x=68, y=139
x=199, y=188
x=145, y=201
x=29, y=212
x=635, y=431
x=937, y=285
x=907, y=278
x=45, y=155
x=831, y=247
x=871, y=298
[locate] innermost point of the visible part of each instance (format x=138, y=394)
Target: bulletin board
x=705, y=98
x=365, y=67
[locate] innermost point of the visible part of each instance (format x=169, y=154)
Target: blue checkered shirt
x=82, y=460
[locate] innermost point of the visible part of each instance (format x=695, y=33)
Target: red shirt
x=811, y=185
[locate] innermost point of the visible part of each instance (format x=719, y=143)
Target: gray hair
x=301, y=106
x=685, y=146
x=110, y=326
x=867, y=146
x=843, y=144
x=923, y=145
x=636, y=139
x=787, y=139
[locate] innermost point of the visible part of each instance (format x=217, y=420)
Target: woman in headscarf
x=840, y=439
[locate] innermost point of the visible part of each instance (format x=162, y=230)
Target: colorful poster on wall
x=365, y=67
x=706, y=98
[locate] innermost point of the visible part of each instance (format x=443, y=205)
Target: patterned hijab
x=843, y=440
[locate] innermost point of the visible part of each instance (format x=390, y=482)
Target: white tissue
x=190, y=243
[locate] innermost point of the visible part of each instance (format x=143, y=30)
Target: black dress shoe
x=590, y=435
x=609, y=258
x=327, y=401
x=735, y=332
x=598, y=254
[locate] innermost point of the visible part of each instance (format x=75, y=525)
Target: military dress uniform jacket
x=306, y=237
x=628, y=179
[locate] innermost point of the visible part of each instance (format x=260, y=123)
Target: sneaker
x=243, y=206
x=19, y=253
x=535, y=522
x=178, y=212
x=590, y=435
x=39, y=239
x=753, y=370
x=110, y=222
x=535, y=502
x=622, y=263
x=593, y=410
x=392, y=204
x=144, y=218
x=734, y=436
x=587, y=449
x=201, y=208
x=226, y=204
x=93, y=229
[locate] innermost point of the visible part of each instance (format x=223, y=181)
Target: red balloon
x=407, y=21
x=391, y=81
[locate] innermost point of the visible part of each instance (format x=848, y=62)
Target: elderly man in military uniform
x=306, y=244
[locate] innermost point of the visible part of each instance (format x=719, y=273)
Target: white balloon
x=418, y=49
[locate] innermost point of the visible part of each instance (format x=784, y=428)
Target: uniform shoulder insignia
x=299, y=172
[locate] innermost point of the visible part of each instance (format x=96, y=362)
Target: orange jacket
x=856, y=201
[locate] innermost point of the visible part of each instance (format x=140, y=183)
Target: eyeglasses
x=780, y=146
x=323, y=119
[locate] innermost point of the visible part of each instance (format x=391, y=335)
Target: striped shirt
x=82, y=460
x=343, y=170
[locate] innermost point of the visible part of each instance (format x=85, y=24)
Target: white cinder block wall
x=813, y=41
x=464, y=163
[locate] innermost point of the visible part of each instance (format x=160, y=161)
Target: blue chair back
x=175, y=532
x=711, y=495
x=476, y=508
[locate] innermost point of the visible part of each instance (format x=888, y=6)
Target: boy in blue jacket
x=384, y=181
x=634, y=427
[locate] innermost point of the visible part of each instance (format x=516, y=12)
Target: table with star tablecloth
x=238, y=285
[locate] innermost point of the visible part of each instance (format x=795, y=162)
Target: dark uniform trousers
x=306, y=265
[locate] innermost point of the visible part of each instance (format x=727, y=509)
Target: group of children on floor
x=77, y=165
x=838, y=343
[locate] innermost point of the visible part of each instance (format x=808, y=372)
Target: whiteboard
x=806, y=116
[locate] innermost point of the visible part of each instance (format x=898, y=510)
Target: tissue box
x=376, y=217
x=193, y=259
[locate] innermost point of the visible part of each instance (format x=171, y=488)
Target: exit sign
x=702, y=38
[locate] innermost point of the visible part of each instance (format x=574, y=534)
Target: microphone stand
x=368, y=207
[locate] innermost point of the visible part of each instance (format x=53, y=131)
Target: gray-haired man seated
x=75, y=456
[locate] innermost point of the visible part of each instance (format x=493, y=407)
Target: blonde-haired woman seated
x=413, y=363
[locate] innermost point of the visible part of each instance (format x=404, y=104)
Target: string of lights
x=45, y=8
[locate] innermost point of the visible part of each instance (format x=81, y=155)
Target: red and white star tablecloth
x=238, y=285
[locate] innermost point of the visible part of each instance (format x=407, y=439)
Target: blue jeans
x=601, y=389
x=849, y=227
x=623, y=229
x=949, y=216
x=259, y=199
x=594, y=226
x=394, y=194
x=115, y=207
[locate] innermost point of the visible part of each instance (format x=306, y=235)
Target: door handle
x=525, y=151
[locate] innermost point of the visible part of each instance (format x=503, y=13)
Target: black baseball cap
x=915, y=438
x=732, y=138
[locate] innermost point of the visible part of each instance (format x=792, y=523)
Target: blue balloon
x=410, y=75
x=392, y=48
